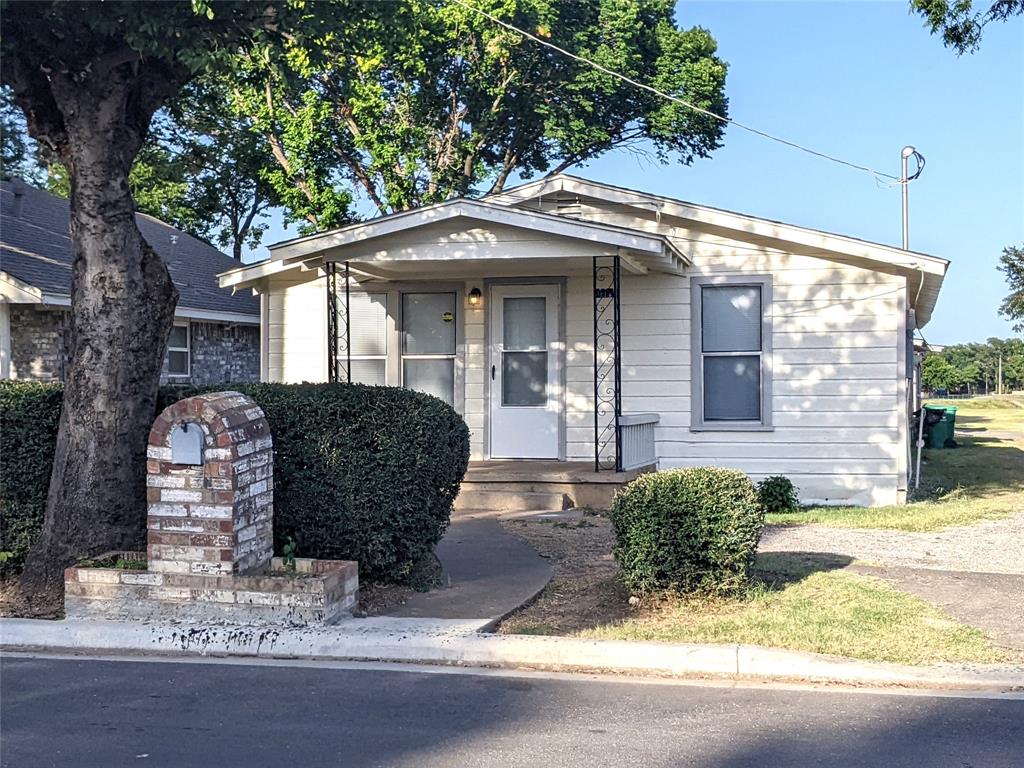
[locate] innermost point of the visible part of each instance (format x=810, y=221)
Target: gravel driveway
x=993, y=546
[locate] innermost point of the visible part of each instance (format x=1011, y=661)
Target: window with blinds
x=730, y=346
x=368, y=318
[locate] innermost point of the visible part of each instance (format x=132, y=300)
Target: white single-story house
x=573, y=321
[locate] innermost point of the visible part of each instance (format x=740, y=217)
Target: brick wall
x=38, y=343
x=220, y=352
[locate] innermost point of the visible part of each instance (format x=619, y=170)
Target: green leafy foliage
x=975, y=368
x=1011, y=264
x=961, y=22
x=449, y=103
x=692, y=530
x=777, y=494
x=361, y=473
x=29, y=413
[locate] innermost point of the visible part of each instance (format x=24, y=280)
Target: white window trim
x=394, y=371
x=187, y=349
x=697, y=421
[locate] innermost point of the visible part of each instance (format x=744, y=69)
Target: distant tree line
x=974, y=368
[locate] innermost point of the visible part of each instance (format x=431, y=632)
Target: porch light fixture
x=475, y=297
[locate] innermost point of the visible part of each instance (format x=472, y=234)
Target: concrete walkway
x=488, y=573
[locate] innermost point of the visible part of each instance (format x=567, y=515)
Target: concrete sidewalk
x=461, y=643
x=489, y=573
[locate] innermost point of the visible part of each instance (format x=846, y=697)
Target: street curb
x=461, y=643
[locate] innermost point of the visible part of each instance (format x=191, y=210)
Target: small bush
x=29, y=413
x=687, y=530
x=360, y=473
x=778, y=495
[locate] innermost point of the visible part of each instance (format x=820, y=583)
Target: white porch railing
x=636, y=436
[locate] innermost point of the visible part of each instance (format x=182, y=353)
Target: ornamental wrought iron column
x=607, y=364
x=339, y=353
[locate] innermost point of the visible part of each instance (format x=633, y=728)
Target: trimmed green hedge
x=362, y=473
x=29, y=413
x=687, y=530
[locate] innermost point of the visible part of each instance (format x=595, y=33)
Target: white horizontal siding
x=835, y=366
x=297, y=328
x=475, y=360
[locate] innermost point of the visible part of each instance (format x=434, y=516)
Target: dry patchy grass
x=806, y=604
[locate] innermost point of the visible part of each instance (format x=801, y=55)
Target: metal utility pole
x=905, y=179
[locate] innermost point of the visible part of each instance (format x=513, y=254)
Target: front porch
x=511, y=316
x=532, y=486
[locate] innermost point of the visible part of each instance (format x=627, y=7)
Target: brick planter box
x=318, y=592
x=210, y=494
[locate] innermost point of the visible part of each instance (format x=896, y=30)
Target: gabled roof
x=925, y=271
x=366, y=243
x=36, y=255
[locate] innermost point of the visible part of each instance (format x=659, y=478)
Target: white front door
x=525, y=369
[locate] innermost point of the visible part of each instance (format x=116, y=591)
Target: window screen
x=731, y=352
x=428, y=343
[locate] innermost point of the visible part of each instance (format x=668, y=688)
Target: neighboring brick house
x=216, y=335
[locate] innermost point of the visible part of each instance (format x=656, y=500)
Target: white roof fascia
x=472, y=209
x=15, y=291
x=308, y=252
x=736, y=222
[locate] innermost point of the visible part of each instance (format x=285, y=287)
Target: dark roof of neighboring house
x=35, y=247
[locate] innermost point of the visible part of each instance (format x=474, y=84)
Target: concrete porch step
x=511, y=500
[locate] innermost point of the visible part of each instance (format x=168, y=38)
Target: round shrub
x=687, y=530
x=778, y=495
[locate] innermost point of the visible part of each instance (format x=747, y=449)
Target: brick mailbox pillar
x=210, y=481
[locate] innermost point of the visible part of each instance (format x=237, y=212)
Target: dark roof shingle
x=35, y=247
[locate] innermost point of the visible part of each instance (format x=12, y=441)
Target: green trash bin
x=942, y=430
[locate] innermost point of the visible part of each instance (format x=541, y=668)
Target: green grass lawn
x=981, y=480
x=821, y=611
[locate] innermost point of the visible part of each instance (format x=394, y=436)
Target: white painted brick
x=213, y=511
x=168, y=566
x=98, y=576
x=210, y=568
x=150, y=579
x=174, y=494
x=165, y=481
x=175, y=594
x=170, y=552
x=168, y=510
x=159, y=453
x=218, y=454
x=258, y=598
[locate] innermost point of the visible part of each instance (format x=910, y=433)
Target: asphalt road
x=85, y=712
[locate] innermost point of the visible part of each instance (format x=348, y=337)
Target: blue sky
x=860, y=80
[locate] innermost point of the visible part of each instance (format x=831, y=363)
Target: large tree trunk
x=122, y=308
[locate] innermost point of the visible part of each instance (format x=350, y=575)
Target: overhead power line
x=676, y=99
